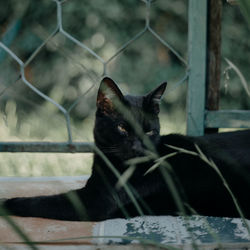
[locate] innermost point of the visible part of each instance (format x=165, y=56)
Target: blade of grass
x=240, y=75
x=211, y=163
x=118, y=175
x=78, y=205
x=159, y=162
x=125, y=177
x=182, y=150
x=209, y=228
x=138, y=160
x=17, y=229
x=143, y=241
x=172, y=187
x=114, y=194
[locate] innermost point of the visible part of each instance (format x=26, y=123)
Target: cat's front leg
x=53, y=207
x=78, y=205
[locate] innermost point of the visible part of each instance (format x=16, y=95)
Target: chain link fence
x=70, y=145
x=194, y=70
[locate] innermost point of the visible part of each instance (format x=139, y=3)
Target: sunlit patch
x=150, y=133
x=122, y=130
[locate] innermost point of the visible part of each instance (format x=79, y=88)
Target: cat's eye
x=122, y=130
x=150, y=133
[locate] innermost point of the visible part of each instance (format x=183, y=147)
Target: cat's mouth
x=125, y=152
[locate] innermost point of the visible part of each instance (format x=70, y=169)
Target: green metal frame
x=197, y=42
x=198, y=118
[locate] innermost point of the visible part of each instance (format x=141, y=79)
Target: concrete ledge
x=32, y=186
x=204, y=232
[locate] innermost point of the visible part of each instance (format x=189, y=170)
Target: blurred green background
x=66, y=72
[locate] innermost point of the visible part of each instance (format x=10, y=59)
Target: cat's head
x=123, y=121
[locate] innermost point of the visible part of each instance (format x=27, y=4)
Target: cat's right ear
x=154, y=97
x=108, y=95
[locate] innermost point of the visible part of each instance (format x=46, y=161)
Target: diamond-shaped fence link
x=71, y=146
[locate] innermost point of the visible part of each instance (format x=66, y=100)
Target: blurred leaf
x=240, y=75
x=245, y=9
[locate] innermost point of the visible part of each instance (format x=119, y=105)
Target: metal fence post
x=197, y=44
x=214, y=59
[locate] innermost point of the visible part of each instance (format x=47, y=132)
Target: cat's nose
x=137, y=147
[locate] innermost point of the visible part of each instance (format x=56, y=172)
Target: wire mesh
x=85, y=147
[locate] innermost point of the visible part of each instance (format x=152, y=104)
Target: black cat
x=128, y=141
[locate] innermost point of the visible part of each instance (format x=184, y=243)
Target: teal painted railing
x=199, y=115
x=197, y=42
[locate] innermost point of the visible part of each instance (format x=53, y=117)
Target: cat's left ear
x=108, y=95
x=154, y=97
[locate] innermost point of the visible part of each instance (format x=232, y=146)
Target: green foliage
x=245, y=9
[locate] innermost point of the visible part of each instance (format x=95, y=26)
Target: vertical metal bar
x=197, y=43
x=214, y=58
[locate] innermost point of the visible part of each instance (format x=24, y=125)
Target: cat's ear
x=154, y=97
x=108, y=95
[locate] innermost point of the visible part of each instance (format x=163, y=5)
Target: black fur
x=125, y=127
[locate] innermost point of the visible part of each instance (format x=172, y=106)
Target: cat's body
x=123, y=132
